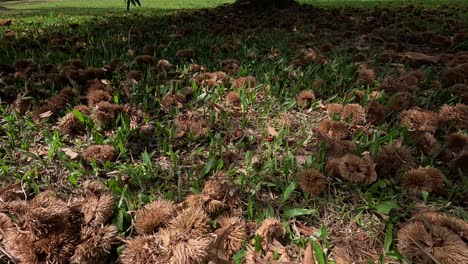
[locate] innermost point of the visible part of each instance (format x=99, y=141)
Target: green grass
x=93, y=7
x=115, y=4
x=260, y=146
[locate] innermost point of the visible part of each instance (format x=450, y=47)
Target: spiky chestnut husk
x=154, y=215
x=193, y=222
x=247, y=82
x=305, y=98
x=393, y=159
x=354, y=113
x=271, y=229
x=311, y=181
x=420, y=120
x=424, y=241
x=236, y=233
x=375, y=113
x=423, y=179
x=99, y=153
x=329, y=129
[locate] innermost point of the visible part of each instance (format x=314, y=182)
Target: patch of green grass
x=89, y=8
x=259, y=145
x=82, y=6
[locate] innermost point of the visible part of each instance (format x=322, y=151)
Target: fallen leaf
x=255, y=162
x=294, y=228
x=309, y=257
x=272, y=132
x=301, y=159
x=133, y=122
x=238, y=133
x=38, y=151
x=233, y=111
x=417, y=56
x=217, y=251
x=341, y=255
x=71, y=153
x=321, y=104
x=180, y=134
x=106, y=82
x=46, y=114
x=11, y=192
x=305, y=230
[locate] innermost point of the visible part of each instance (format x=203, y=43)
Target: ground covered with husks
x=232, y=135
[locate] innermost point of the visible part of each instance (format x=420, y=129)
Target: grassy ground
x=173, y=132
x=116, y=5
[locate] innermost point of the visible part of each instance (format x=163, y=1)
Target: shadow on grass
x=214, y=34
x=55, y=35
x=79, y=11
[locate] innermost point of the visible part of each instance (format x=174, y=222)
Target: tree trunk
x=267, y=3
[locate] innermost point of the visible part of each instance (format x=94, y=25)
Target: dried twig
x=13, y=260
x=424, y=251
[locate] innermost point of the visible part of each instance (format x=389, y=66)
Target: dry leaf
x=39, y=151
x=322, y=105
x=106, y=82
x=305, y=230
x=180, y=134
x=11, y=192
x=272, y=132
x=46, y=114
x=217, y=251
x=133, y=122
x=71, y=153
x=233, y=111
x=301, y=159
x=341, y=255
x=417, y=56
x=255, y=161
x=309, y=257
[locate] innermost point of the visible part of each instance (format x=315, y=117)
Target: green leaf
x=238, y=257
x=388, y=237
x=73, y=180
x=375, y=187
x=358, y=219
x=120, y=220
x=293, y=212
x=202, y=96
x=386, y=207
x=250, y=208
x=258, y=243
x=319, y=254
x=146, y=159
x=78, y=115
x=114, y=186
x=120, y=249
x=323, y=235
x=287, y=193
x=212, y=161
x=425, y=195
x=269, y=212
